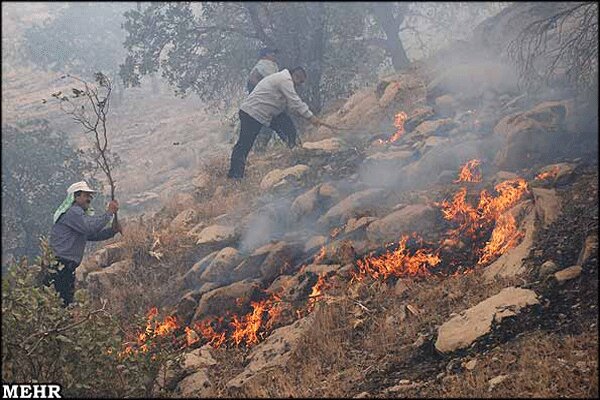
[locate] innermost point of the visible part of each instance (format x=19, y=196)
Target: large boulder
x=391, y=159
x=352, y=205
x=547, y=205
x=184, y=220
x=271, y=355
x=437, y=127
x=326, y=145
x=217, y=302
x=278, y=175
x=192, y=278
x=462, y=330
x=196, y=385
x=217, y=235
x=412, y=218
x=102, y=281
x=532, y=136
x=306, y=203
x=221, y=266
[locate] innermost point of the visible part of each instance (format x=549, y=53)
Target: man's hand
x=116, y=226
x=113, y=206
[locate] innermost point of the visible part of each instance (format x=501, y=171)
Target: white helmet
x=80, y=186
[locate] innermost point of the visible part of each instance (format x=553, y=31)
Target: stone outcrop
x=462, y=330
x=412, y=218
x=276, y=176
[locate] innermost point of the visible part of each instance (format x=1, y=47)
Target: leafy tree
x=37, y=167
x=210, y=48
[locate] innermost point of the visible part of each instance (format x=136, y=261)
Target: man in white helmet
x=74, y=225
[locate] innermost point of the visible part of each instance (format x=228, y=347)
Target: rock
x=568, y=273
x=196, y=385
x=186, y=307
x=322, y=269
x=436, y=127
x=511, y=263
x=547, y=268
x=281, y=256
x=470, y=365
x=531, y=136
x=305, y=203
x=196, y=230
x=547, y=205
x=445, y=106
x=417, y=117
x=192, y=278
x=414, y=217
x=496, y=381
x=590, y=248
x=355, y=203
x=390, y=92
x=502, y=176
x=198, y=358
x=391, y=158
x=315, y=242
x=221, y=266
x=277, y=175
x=271, y=355
x=217, y=302
x=280, y=284
x=184, y=219
x=329, y=191
x=462, y=330
x=362, y=395
x=431, y=142
x=355, y=224
x=217, y=235
x=328, y=145
x=103, y=280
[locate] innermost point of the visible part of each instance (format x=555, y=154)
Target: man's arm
x=104, y=234
x=254, y=77
x=87, y=225
x=294, y=101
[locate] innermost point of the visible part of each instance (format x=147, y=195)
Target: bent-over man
x=266, y=106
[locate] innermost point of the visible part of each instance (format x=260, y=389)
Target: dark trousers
x=249, y=129
x=64, y=280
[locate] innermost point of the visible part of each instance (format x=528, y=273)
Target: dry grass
x=538, y=365
x=362, y=327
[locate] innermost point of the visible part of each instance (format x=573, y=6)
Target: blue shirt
x=71, y=231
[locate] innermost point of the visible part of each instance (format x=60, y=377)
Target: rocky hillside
x=442, y=242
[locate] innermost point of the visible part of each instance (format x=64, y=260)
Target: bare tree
x=564, y=44
x=91, y=113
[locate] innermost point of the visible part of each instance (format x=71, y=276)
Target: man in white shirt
x=266, y=65
x=266, y=106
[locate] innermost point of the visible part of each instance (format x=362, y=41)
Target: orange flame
x=470, y=172
x=399, y=120
x=321, y=256
x=504, y=237
x=398, y=263
x=550, y=174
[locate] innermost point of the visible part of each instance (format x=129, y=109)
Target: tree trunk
x=384, y=14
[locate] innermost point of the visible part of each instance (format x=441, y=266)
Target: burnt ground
x=567, y=309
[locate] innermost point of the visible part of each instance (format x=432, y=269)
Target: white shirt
x=271, y=96
x=265, y=67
